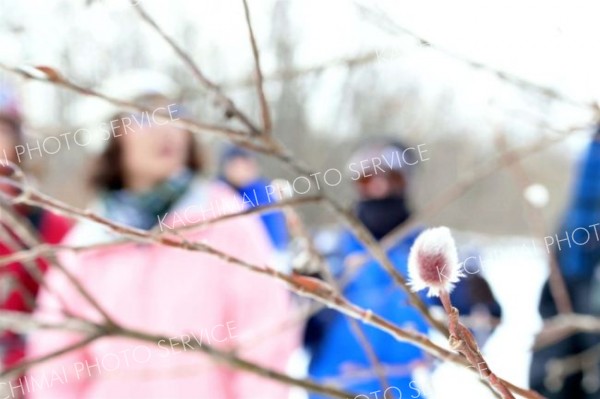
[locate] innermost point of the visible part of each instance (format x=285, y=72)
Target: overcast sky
x=551, y=43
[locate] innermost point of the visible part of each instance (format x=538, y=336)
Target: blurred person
x=332, y=345
x=146, y=174
x=240, y=170
x=18, y=285
x=581, y=274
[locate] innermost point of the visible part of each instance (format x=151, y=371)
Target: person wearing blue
x=577, y=250
x=240, y=170
x=336, y=354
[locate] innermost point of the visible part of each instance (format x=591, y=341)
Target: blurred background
x=468, y=79
x=336, y=73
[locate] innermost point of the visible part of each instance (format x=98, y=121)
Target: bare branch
x=462, y=340
x=264, y=106
x=299, y=231
x=288, y=74
x=294, y=201
x=28, y=236
x=237, y=136
x=24, y=323
x=384, y=22
x=464, y=184
x=558, y=288
x=238, y=363
x=562, y=326
x=226, y=101
x=301, y=285
x=275, y=149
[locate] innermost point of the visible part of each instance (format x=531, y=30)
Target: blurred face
x=381, y=186
x=241, y=171
x=152, y=153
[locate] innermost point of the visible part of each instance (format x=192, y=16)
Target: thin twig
x=232, y=360
x=558, y=288
x=237, y=136
x=467, y=182
x=384, y=22
x=264, y=107
x=561, y=326
x=30, y=238
x=229, y=104
x=25, y=323
x=287, y=74
x=298, y=230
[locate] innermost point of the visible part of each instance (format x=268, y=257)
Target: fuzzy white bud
x=433, y=262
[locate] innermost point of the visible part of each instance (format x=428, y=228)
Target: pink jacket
x=177, y=293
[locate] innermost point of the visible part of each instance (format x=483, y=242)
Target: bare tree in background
x=253, y=132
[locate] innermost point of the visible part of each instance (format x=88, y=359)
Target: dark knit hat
x=391, y=154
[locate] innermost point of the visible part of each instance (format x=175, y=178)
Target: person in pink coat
x=148, y=179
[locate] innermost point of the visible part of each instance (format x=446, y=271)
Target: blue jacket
x=579, y=261
x=333, y=344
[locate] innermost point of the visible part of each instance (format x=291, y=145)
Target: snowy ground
x=516, y=273
x=516, y=270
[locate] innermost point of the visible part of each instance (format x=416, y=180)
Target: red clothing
x=18, y=288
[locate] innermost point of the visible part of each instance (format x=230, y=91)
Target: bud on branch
x=433, y=262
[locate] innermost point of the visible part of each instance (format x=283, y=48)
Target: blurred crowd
x=148, y=172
